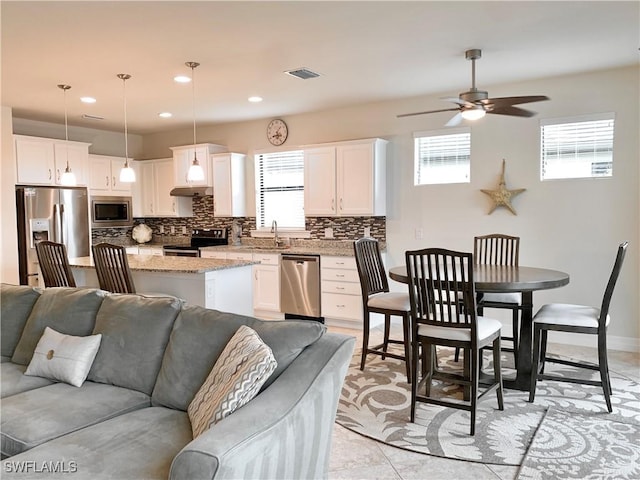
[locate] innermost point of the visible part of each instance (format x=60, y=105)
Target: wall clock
x=277, y=132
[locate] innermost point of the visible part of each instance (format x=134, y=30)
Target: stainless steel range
x=199, y=238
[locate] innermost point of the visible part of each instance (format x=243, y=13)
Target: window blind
x=280, y=189
x=577, y=149
x=442, y=158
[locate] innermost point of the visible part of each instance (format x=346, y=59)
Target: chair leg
x=414, y=375
x=604, y=370
x=387, y=327
x=365, y=339
x=430, y=353
x=475, y=380
x=516, y=335
x=456, y=357
x=543, y=349
x=406, y=331
x=497, y=372
x=536, y=361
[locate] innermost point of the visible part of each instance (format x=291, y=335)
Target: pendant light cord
x=126, y=134
x=192, y=66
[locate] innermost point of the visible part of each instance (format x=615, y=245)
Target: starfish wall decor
x=501, y=196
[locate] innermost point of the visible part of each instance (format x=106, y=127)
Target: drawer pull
x=339, y=288
x=340, y=275
x=340, y=306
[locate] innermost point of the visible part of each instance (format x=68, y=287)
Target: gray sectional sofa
x=129, y=421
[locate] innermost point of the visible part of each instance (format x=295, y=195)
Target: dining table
x=510, y=279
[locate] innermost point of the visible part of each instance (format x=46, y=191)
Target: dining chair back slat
x=497, y=249
x=112, y=268
x=611, y=284
x=54, y=264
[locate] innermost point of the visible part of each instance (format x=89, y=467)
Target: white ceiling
x=364, y=51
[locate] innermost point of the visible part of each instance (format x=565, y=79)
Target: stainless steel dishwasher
x=300, y=286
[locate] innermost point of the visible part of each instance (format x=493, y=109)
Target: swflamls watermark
x=32, y=466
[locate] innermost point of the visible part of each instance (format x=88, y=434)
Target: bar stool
x=376, y=298
x=54, y=264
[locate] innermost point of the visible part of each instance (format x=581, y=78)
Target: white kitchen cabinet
x=104, y=176
x=228, y=184
x=266, y=282
x=341, y=296
x=156, y=183
x=346, y=178
x=42, y=161
x=220, y=255
x=148, y=250
x=132, y=250
x=183, y=158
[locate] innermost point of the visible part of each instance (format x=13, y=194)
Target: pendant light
x=68, y=177
x=195, y=173
x=127, y=174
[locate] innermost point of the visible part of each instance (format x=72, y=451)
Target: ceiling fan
x=475, y=103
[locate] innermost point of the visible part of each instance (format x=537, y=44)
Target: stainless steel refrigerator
x=50, y=213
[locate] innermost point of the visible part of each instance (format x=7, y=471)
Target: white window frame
x=268, y=217
x=458, y=166
x=577, y=147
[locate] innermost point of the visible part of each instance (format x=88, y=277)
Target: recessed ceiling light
x=255, y=99
x=87, y=100
x=165, y=115
x=182, y=79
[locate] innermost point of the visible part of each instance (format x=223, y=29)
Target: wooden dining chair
x=443, y=313
x=112, y=268
x=376, y=298
x=54, y=264
x=499, y=249
x=562, y=317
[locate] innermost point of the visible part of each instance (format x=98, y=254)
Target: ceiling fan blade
x=430, y=111
x=457, y=100
x=455, y=120
x=512, y=111
x=507, y=101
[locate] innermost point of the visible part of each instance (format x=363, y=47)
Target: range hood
x=191, y=191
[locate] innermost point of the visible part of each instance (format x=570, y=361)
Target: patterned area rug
x=570, y=445
x=376, y=403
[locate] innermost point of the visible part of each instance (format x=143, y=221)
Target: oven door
x=181, y=252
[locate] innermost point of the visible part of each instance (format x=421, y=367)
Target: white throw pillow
x=65, y=358
x=242, y=368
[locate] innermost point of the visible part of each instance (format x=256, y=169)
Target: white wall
x=569, y=225
x=8, y=233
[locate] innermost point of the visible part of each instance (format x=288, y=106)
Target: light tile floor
x=354, y=456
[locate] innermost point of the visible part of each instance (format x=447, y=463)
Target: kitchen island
x=224, y=285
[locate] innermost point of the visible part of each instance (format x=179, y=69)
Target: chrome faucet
x=274, y=230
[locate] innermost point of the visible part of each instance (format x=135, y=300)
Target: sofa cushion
x=241, y=369
x=71, y=311
x=16, y=303
x=37, y=416
x=65, y=358
x=13, y=380
x=135, y=330
x=137, y=445
x=207, y=332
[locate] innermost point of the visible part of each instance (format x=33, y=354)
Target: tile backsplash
x=344, y=228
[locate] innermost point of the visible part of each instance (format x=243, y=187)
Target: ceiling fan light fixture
x=68, y=178
x=474, y=113
x=127, y=173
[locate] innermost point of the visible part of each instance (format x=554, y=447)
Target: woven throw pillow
x=241, y=369
x=65, y=358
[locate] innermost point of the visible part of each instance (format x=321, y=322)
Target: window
x=442, y=157
x=280, y=189
x=577, y=147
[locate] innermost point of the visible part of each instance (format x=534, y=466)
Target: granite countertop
x=313, y=247
x=153, y=263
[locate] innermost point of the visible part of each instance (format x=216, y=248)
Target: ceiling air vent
x=303, y=73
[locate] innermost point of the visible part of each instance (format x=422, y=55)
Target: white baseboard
x=624, y=344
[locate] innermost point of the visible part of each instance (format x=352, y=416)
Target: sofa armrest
x=284, y=432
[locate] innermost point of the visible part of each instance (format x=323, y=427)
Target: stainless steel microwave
x=111, y=212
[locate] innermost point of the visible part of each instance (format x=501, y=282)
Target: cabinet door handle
x=113, y=182
x=57, y=175
x=49, y=174
x=333, y=204
x=173, y=206
x=341, y=206
x=107, y=180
